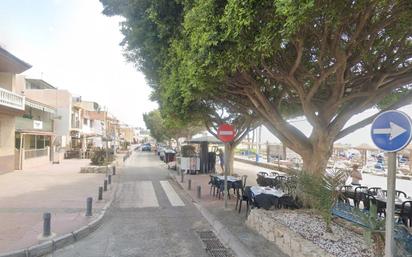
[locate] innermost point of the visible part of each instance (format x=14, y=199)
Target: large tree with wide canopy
x=325, y=60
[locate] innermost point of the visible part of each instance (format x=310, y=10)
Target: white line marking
x=139, y=194
x=226, y=133
x=174, y=199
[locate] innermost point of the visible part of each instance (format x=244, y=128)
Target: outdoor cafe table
x=229, y=178
x=266, y=197
x=398, y=200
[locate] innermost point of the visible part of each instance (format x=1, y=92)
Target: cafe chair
x=240, y=191
x=374, y=190
x=248, y=198
x=370, y=199
x=347, y=194
x=274, y=173
x=360, y=192
x=400, y=194
x=261, y=180
x=213, y=184
x=405, y=215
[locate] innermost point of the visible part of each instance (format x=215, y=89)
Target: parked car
x=146, y=147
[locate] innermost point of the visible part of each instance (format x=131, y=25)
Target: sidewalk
x=230, y=218
x=59, y=189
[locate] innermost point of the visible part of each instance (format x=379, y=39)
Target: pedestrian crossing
x=142, y=194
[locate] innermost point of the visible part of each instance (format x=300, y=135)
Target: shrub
x=188, y=151
x=321, y=193
x=99, y=157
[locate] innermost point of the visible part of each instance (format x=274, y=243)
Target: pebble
x=341, y=243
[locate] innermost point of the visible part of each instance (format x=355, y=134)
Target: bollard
x=100, y=193
x=46, y=224
x=189, y=184
x=199, y=191
x=109, y=178
x=89, y=203
x=182, y=177
x=105, y=185
x=114, y=170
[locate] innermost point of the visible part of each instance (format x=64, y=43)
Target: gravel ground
x=341, y=243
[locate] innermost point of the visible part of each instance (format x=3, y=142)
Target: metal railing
x=10, y=99
x=34, y=153
x=76, y=124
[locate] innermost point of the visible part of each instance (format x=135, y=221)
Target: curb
x=63, y=240
x=221, y=231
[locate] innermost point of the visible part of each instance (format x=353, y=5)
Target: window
x=17, y=144
x=40, y=142
x=84, y=121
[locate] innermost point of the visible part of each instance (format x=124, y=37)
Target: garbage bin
x=169, y=156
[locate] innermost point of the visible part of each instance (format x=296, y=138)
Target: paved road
x=149, y=217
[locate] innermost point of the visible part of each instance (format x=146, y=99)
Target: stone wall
x=291, y=243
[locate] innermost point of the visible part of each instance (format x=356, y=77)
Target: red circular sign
x=226, y=132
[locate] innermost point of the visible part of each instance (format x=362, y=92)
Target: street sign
x=226, y=132
x=391, y=131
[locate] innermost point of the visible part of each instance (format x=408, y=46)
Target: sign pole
x=226, y=133
x=390, y=205
x=226, y=171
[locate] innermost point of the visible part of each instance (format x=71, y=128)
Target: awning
x=35, y=132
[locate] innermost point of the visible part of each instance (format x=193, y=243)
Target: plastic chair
x=359, y=194
x=374, y=190
x=370, y=199
x=274, y=173
x=240, y=191
x=405, y=215
x=400, y=193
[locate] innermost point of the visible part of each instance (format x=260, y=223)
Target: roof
x=10, y=63
x=209, y=139
x=40, y=84
x=365, y=146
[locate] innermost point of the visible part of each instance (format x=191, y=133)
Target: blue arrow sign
x=391, y=131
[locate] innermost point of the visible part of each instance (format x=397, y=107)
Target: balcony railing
x=11, y=100
x=29, y=124
x=76, y=124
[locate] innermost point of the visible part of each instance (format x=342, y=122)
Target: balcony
x=76, y=124
x=36, y=125
x=11, y=100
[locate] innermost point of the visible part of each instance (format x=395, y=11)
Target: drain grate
x=213, y=245
x=219, y=253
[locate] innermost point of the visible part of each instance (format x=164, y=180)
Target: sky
x=73, y=46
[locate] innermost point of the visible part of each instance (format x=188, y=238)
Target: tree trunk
x=316, y=161
x=229, y=158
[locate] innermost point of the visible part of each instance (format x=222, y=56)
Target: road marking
x=138, y=194
x=174, y=199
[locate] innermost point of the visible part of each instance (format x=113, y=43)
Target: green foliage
x=321, y=192
x=155, y=124
x=273, y=59
x=188, y=151
x=374, y=230
x=99, y=157
x=163, y=129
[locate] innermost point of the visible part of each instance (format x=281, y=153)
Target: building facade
x=12, y=105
